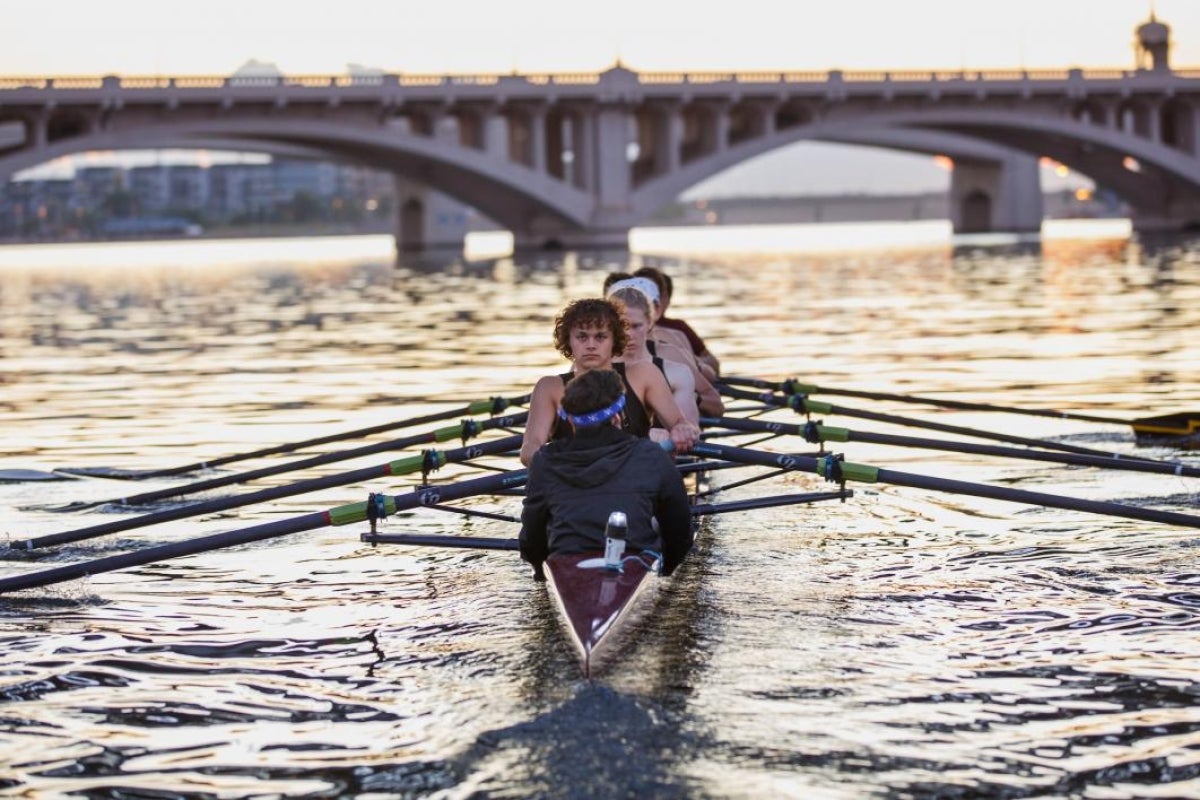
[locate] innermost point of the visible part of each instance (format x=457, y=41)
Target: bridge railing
x=658, y=78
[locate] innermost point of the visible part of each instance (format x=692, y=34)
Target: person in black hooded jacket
x=575, y=483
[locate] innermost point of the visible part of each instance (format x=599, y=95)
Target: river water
x=902, y=644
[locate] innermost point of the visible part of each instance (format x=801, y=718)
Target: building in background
x=177, y=199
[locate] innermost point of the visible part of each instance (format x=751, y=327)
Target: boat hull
x=599, y=605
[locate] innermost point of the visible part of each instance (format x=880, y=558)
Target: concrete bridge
x=576, y=160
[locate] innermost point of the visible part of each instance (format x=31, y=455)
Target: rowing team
x=590, y=438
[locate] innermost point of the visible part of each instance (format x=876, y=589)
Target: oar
x=819, y=432
x=806, y=405
x=466, y=429
x=374, y=507
x=495, y=405
x=1179, y=424
x=28, y=475
x=427, y=461
x=833, y=468
x=486, y=543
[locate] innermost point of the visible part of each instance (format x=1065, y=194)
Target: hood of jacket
x=592, y=456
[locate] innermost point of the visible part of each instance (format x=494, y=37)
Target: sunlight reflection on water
x=902, y=644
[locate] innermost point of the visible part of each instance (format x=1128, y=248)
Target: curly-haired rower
x=591, y=332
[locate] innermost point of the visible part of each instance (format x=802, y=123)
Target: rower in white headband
x=643, y=285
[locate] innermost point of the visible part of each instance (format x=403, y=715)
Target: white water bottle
x=614, y=539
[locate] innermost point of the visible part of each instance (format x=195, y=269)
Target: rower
x=666, y=289
x=692, y=391
x=575, y=483
x=590, y=332
x=675, y=345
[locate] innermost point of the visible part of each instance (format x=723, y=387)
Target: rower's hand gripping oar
x=1181, y=424
x=340, y=515
x=493, y=406
x=424, y=462
x=833, y=467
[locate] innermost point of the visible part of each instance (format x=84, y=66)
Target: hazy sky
x=215, y=37
x=88, y=37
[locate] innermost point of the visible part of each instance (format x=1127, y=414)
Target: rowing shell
x=597, y=603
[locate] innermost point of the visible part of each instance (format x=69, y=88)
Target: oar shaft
x=829, y=433
x=708, y=509
x=263, y=495
x=341, y=515
x=163, y=552
x=892, y=419
x=486, y=543
x=870, y=474
x=1038, y=498
x=429, y=437
x=493, y=405
x=792, y=386
x=461, y=542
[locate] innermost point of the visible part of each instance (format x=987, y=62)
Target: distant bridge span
x=577, y=160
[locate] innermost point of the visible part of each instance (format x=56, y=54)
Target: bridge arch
x=553, y=157
x=508, y=193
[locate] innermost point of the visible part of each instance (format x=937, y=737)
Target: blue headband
x=594, y=417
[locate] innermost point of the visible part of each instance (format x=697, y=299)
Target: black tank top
x=634, y=417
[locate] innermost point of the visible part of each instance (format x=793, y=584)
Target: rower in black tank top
x=634, y=418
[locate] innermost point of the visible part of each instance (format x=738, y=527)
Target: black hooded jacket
x=575, y=483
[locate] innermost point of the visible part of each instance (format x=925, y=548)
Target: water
x=902, y=644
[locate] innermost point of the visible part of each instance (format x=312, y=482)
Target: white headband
x=643, y=285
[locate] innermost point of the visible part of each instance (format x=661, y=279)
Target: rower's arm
x=683, y=389
x=543, y=407
x=709, y=399
x=652, y=387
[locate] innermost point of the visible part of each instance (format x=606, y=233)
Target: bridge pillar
x=674, y=139
x=537, y=134
x=427, y=220
x=991, y=197
x=495, y=133
x=583, y=151
x=602, y=139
